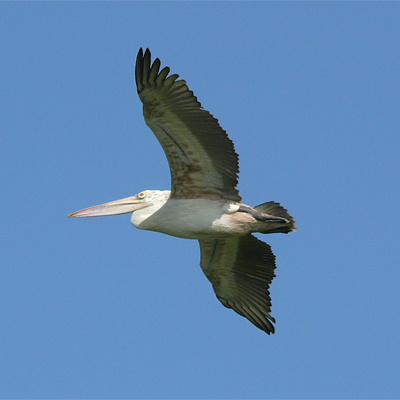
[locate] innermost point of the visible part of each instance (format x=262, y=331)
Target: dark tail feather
x=276, y=210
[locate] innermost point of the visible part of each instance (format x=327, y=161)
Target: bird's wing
x=241, y=269
x=201, y=157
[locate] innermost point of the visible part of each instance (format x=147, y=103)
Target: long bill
x=123, y=206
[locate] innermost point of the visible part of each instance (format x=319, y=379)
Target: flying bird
x=203, y=202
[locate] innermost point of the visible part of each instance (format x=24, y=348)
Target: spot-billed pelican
x=203, y=203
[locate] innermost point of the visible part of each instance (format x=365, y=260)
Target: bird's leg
x=260, y=216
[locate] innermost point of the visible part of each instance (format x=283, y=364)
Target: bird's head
x=146, y=199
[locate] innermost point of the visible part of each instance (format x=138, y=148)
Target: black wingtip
x=139, y=69
x=142, y=68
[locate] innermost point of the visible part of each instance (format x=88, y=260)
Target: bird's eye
x=142, y=195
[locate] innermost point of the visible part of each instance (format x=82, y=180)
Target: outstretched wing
x=201, y=157
x=241, y=269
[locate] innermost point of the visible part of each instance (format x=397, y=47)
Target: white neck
x=157, y=198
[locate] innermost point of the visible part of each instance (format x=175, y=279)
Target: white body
x=189, y=219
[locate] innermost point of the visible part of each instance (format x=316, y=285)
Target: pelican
x=203, y=202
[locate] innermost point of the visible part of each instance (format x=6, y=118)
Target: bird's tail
x=276, y=210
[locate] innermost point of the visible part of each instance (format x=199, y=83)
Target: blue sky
x=309, y=92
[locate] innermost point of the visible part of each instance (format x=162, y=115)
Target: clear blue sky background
x=309, y=92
